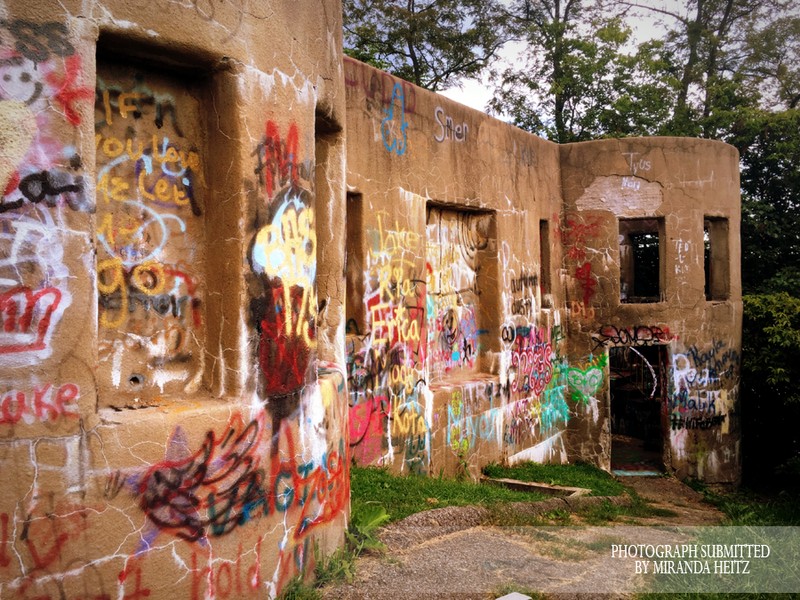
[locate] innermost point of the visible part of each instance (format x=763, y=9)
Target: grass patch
x=297, y=589
x=607, y=512
x=405, y=495
x=746, y=507
x=361, y=536
x=577, y=475
x=503, y=515
x=603, y=513
x=715, y=596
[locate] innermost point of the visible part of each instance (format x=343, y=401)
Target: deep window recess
x=640, y=256
x=151, y=235
x=355, y=265
x=716, y=259
x=459, y=253
x=544, y=258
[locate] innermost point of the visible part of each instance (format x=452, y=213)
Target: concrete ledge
x=543, y=488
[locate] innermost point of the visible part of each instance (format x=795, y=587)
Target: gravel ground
x=452, y=553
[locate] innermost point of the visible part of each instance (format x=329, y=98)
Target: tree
x=573, y=81
x=434, y=44
x=713, y=41
x=769, y=146
x=773, y=60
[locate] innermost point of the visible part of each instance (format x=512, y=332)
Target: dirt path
x=451, y=553
x=670, y=494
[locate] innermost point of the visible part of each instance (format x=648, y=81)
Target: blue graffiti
x=394, y=140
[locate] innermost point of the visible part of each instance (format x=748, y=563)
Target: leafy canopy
x=434, y=44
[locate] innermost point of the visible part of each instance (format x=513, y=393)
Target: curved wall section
x=651, y=272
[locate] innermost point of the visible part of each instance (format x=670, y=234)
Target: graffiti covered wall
x=173, y=409
x=639, y=224
x=495, y=274
x=451, y=360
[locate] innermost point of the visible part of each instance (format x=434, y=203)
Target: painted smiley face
x=19, y=80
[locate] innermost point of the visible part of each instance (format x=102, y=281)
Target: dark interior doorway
x=638, y=388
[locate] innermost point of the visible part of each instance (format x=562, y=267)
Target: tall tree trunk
x=694, y=33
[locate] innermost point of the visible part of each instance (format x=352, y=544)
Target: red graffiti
x=206, y=492
x=532, y=359
x=42, y=405
x=138, y=591
x=377, y=85
x=46, y=536
x=191, y=286
x=404, y=324
x=367, y=432
x=299, y=485
x=588, y=282
x=230, y=579
x=221, y=486
x=293, y=562
x=575, y=234
x=284, y=358
x=278, y=158
x=25, y=318
x=66, y=93
x=5, y=560
x=12, y=184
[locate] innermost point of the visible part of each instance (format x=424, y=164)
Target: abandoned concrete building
x=233, y=261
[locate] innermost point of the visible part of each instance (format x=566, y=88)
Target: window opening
x=716, y=260
x=459, y=247
x=355, y=265
x=544, y=258
x=151, y=235
x=640, y=251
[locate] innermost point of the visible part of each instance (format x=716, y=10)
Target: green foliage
x=579, y=77
x=360, y=536
x=364, y=526
x=339, y=566
x=404, y=495
x=769, y=145
x=297, y=589
x=569, y=83
x=431, y=43
x=576, y=475
x=773, y=60
x=770, y=398
x=770, y=349
x=602, y=513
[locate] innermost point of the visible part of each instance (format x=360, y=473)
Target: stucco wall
x=680, y=183
x=450, y=351
x=173, y=419
x=484, y=288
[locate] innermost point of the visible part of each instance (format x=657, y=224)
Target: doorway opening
x=638, y=388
